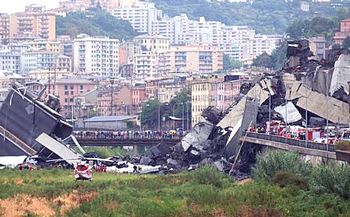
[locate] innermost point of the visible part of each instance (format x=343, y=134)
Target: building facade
x=96, y=56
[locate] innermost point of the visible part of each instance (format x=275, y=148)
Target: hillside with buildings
x=265, y=16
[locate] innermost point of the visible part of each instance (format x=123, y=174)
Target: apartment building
x=4, y=28
x=344, y=31
x=10, y=62
x=140, y=15
x=318, y=46
x=218, y=91
x=33, y=22
x=147, y=56
x=44, y=60
x=68, y=90
x=194, y=59
x=96, y=56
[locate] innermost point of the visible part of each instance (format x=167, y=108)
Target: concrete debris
x=289, y=113
x=212, y=114
x=341, y=75
x=302, y=86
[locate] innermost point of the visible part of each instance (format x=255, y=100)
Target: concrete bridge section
x=300, y=146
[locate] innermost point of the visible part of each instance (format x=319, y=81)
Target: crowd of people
x=148, y=134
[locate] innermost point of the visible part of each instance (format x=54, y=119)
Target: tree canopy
x=95, y=23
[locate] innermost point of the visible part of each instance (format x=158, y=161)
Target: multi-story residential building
x=68, y=90
x=66, y=45
x=194, y=59
x=96, y=55
x=216, y=91
x=318, y=47
x=140, y=15
x=153, y=43
x=4, y=28
x=146, y=58
x=169, y=88
x=42, y=44
x=138, y=95
x=344, y=31
x=35, y=21
x=10, y=62
x=44, y=60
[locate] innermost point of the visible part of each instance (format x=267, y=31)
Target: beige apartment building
x=218, y=91
x=194, y=58
x=36, y=21
x=147, y=56
x=42, y=44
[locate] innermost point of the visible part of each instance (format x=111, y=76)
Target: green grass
x=185, y=194
x=105, y=152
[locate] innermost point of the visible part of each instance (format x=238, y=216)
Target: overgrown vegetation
x=105, y=152
x=94, y=23
x=187, y=194
x=331, y=178
x=267, y=166
x=343, y=145
x=287, y=169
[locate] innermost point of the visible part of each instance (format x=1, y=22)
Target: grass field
x=201, y=193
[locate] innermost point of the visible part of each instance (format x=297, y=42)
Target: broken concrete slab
x=289, y=113
x=197, y=136
x=246, y=120
x=325, y=107
x=341, y=75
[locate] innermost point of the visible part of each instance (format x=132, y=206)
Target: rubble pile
x=319, y=87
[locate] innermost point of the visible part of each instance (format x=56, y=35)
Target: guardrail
x=293, y=142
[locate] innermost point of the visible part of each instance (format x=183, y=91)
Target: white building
x=10, y=62
x=140, y=15
x=96, y=55
x=151, y=48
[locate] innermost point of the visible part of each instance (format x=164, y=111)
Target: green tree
x=179, y=106
x=230, y=63
x=346, y=42
x=226, y=62
x=94, y=22
x=279, y=56
x=263, y=60
x=150, y=114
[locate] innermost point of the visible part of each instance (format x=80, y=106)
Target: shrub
x=331, y=178
x=269, y=164
x=343, y=145
x=284, y=179
x=208, y=175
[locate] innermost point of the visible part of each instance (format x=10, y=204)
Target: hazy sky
x=11, y=6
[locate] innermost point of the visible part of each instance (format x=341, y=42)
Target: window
x=66, y=87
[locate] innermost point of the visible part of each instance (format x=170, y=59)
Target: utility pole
x=327, y=92
x=112, y=82
x=159, y=119
x=306, y=123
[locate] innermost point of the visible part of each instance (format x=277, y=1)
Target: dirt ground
x=21, y=205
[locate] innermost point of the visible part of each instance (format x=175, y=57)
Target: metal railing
x=293, y=142
x=22, y=145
